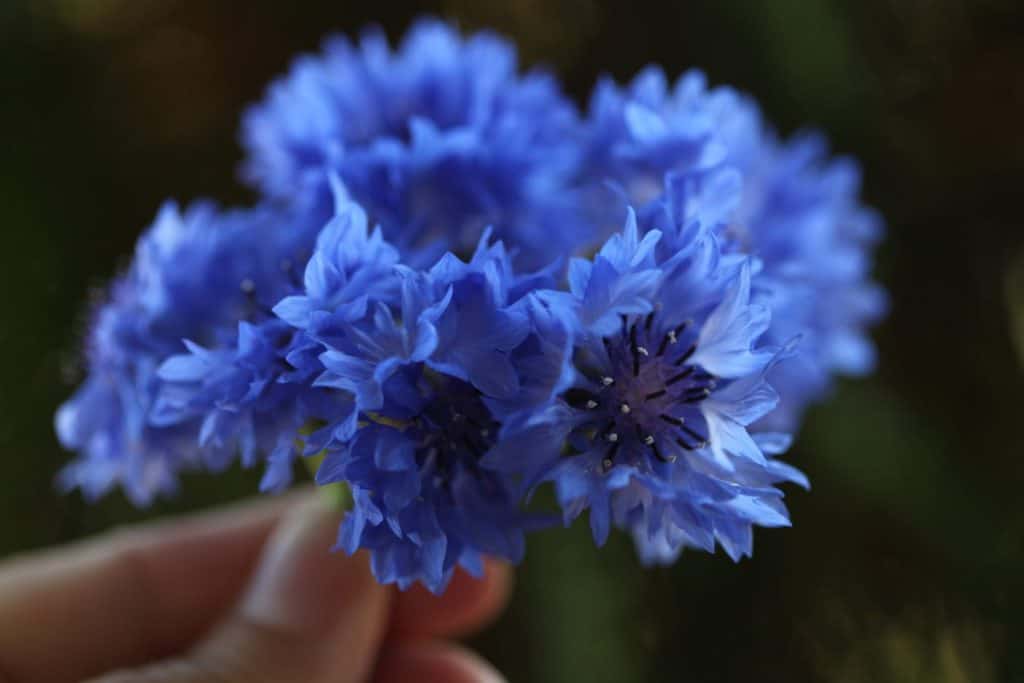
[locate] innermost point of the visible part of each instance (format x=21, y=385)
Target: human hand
x=247, y=594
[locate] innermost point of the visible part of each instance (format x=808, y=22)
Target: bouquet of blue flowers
x=458, y=288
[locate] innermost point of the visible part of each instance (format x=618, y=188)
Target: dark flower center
x=641, y=392
x=454, y=426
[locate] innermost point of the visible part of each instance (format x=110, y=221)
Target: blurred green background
x=905, y=562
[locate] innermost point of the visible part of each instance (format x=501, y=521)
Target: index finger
x=129, y=597
x=152, y=591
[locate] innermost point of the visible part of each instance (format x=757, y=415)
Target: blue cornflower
x=438, y=374
x=798, y=213
x=105, y=421
x=233, y=390
x=350, y=264
x=250, y=394
x=669, y=373
x=430, y=372
x=803, y=217
x=437, y=140
x=645, y=129
x=196, y=275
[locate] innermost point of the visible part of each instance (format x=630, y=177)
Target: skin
x=247, y=593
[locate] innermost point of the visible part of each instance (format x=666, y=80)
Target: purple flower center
x=641, y=396
x=453, y=427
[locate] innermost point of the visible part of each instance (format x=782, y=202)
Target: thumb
x=308, y=615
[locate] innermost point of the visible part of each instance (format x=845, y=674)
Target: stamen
x=625, y=409
x=648, y=320
x=672, y=420
x=696, y=398
x=633, y=349
x=613, y=437
x=609, y=457
x=694, y=435
x=655, y=394
x=642, y=351
x=680, y=377
x=247, y=286
x=648, y=440
x=607, y=381
x=577, y=397
x=687, y=447
x=591, y=404
x=661, y=456
x=686, y=355
x=669, y=338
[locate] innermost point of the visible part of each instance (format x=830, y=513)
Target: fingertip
x=145, y=592
x=304, y=605
x=434, y=662
x=467, y=605
x=300, y=585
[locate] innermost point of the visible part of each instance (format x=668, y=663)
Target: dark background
x=905, y=562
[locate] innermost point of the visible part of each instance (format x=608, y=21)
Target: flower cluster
x=784, y=203
x=437, y=140
x=458, y=289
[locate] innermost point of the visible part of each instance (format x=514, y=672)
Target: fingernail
x=482, y=671
x=300, y=584
x=434, y=661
